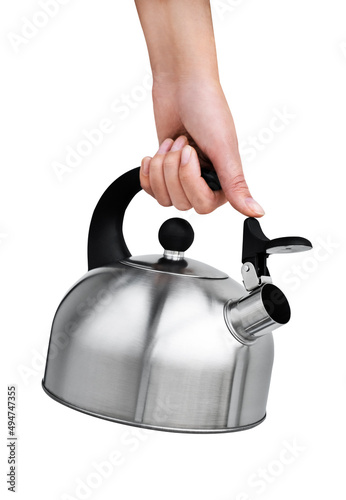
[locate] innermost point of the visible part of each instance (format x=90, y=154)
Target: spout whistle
x=258, y=313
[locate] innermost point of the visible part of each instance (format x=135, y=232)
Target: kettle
x=163, y=341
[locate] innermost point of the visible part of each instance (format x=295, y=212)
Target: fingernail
x=165, y=146
x=254, y=206
x=179, y=143
x=145, y=165
x=185, y=155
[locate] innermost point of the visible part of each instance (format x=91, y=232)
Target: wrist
x=180, y=39
x=176, y=81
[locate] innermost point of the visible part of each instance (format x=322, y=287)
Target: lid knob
x=176, y=235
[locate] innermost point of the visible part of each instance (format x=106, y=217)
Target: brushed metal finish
x=187, y=267
x=153, y=427
x=253, y=316
x=152, y=348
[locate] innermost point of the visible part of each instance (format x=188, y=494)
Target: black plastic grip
x=257, y=247
x=211, y=178
x=106, y=243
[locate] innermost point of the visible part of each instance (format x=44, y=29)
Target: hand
x=198, y=117
x=193, y=121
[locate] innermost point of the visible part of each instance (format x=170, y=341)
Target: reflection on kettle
x=163, y=341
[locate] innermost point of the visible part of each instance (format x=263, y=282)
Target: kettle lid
x=176, y=236
x=186, y=267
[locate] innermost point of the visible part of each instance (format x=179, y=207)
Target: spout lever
x=257, y=248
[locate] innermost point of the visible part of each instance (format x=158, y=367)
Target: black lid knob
x=176, y=235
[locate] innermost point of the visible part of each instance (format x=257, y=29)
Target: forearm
x=190, y=109
x=180, y=38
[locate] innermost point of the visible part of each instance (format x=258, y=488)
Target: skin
x=193, y=121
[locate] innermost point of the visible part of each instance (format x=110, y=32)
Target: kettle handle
x=106, y=243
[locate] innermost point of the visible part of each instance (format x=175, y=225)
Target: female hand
x=193, y=121
x=199, y=119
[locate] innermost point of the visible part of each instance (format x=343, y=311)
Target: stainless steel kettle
x=163, y=341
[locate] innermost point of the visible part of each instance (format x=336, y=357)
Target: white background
x=74, y=72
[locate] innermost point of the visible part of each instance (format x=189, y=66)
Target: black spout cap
x=257, y=247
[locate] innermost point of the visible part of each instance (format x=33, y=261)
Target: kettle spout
x=259, y=313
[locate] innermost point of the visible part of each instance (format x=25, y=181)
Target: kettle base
x=153, y=427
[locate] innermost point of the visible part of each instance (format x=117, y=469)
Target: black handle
x=106, y=243
x=211, y=178
x=257, y=247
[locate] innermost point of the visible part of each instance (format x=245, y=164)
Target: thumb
x=229, y=168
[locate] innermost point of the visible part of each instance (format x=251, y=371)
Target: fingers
x=156, y=175
x=173, y=177
x=144, y=175
x=201, y=197
x=227, y=163
x=171, y=166
x=238, y=194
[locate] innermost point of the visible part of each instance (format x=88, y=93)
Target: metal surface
x=257, y=314
x=149, y=347
x=154, y=427
x=288, y=249
x=186, y=267
x=173, y=255
x=250, y=278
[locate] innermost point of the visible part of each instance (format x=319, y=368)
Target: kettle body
x=153, y=349
x=162, y=342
